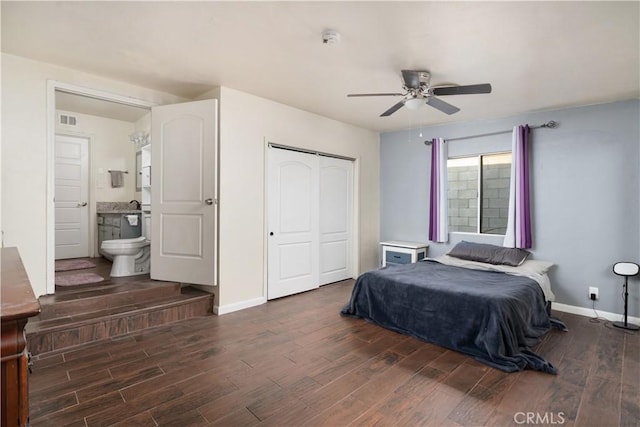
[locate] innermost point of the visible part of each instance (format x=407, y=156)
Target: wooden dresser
x=18, y=305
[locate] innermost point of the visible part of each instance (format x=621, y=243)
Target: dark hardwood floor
x=296, y=361
x=113, y=307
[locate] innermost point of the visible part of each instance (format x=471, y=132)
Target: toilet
x=130, y=256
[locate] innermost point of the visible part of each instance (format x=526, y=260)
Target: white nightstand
x=394, y=252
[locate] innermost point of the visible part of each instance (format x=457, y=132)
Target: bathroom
x=111, y=187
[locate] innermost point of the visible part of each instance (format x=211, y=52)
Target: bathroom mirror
x=139, y=171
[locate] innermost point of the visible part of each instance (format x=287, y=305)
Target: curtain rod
x=550, y=124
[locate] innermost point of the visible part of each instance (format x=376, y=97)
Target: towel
x=133, y=220
x=117, y=178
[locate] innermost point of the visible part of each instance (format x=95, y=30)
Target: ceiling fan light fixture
x=414, y=103
x=417, y=91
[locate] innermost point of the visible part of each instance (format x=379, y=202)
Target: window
x=479, y=193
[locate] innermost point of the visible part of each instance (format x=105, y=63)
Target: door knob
x=209, y=201
x=81, y=205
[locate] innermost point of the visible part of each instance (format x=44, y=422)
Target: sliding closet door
x=293, y=222
x=336, y=206
x=310, y=212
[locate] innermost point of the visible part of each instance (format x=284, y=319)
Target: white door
x=183, y=202
x=71, y=197
x=293, y=222
x=336, y=202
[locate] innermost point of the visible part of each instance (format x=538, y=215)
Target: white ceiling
x=536, y=55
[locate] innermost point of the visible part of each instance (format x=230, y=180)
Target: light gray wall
x=585, y=193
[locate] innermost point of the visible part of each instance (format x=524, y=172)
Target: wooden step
x=107, y=294
x=112, y=316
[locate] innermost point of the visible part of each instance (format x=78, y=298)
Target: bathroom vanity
x=117, y=225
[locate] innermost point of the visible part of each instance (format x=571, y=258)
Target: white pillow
x=535, y=266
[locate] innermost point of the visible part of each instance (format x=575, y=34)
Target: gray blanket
x=494, y=317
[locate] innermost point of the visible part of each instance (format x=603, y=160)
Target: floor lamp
x=626, y=269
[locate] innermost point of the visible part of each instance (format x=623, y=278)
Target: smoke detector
x=330, y=37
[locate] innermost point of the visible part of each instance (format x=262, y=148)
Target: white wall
x=109, y=148
x=247, y=123
x=24, y=151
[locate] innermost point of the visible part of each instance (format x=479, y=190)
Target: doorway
x=88, y=101
x=180, y=136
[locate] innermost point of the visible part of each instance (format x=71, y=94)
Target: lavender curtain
x=438, y=198
x=518, y=233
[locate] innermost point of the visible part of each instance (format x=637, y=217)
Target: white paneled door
x=309, y=204
x=183, y=203
x=293, y=222
x=336, y=206
x=71, y=197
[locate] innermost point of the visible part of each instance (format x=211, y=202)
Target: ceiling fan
x=418, y=91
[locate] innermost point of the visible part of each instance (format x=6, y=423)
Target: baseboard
x=588, y=312
x=230, y=308
x=581, y=311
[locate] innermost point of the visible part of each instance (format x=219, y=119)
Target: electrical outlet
x=593, y=293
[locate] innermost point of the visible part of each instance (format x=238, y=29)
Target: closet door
x=336, y=210
x=293, y=222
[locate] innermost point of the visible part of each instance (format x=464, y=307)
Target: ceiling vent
x=68, y=120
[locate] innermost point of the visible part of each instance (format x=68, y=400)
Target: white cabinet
x=146, y=177
x=396, y=252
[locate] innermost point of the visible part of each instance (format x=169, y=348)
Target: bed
x=494, y=313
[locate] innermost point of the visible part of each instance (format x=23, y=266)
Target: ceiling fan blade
x=393, y=109
x=462, y=90
x=375, y=94
x=411, y=78
x=439, y=104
